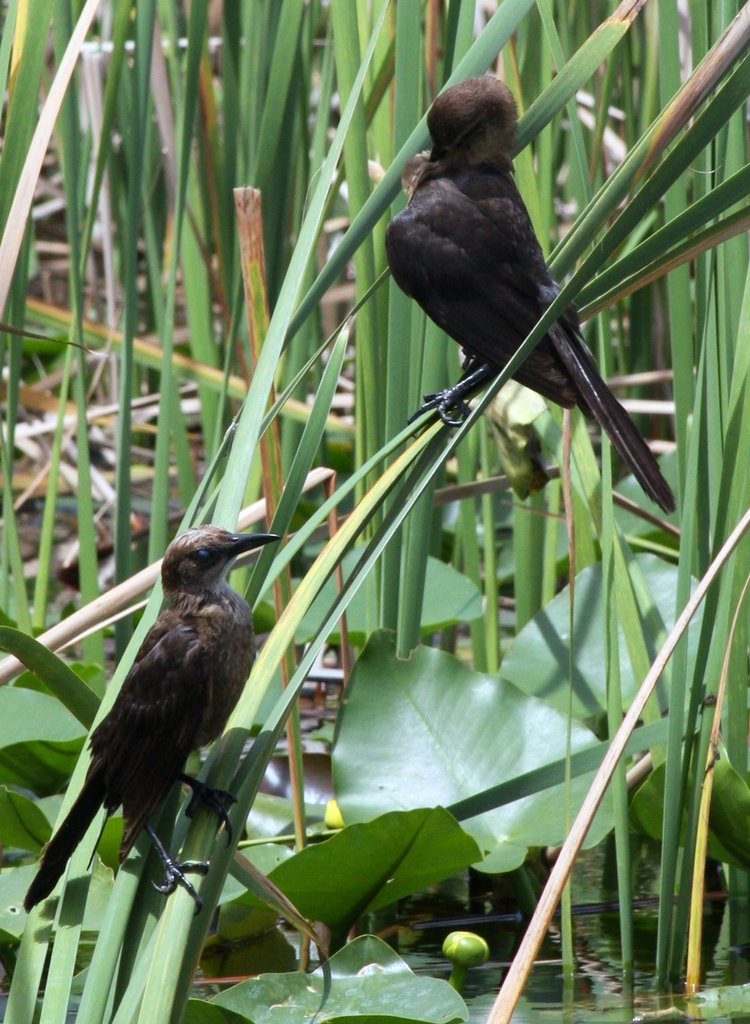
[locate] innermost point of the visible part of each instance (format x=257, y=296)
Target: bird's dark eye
x=202, y=555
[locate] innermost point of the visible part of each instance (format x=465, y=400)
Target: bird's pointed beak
x=250, y=541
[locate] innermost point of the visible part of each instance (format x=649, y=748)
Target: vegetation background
x=157, y=369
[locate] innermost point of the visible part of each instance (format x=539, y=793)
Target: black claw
x=442, y=402
x=174, y=871
x=174, y=875
x=215, y=800
x=450, y=404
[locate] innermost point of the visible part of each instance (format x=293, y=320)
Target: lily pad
x=22, y=823
x=40, y=740
x=538, y=659
x=364, y=982
x=727, y=1001
x=367, y=866
x=200, y=1012
x=13, y=885
x=729, y=813
x=427, y=730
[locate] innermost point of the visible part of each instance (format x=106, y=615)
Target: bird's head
x=198, y=561
x=473, y=121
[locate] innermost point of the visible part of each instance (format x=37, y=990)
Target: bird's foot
x=443, y=402
x=175, y=871
x=216, y=800
x=175, y=874
x=450, y=404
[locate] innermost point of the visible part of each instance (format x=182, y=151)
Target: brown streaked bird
x=465, y=249
x=186, y=678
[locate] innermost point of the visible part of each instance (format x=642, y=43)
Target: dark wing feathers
x=465, y=249
x=171, y=667
x=480, y=292
x=171, y=670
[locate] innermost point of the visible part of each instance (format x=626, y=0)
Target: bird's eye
x=202, y=555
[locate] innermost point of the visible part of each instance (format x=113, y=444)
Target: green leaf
x=537, y=662
x=22, y=823
x=39, y=740
x=367, y=866
x=59, y=678
x=238, y=920
x=429, y=731
x=92, y=675
x=15, y=881
x=724, y=1001
x=13, y=886
x=729, y=814
x=364, y=982
x=449, y=597
x=200, y=1012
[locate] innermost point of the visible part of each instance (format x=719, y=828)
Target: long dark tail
x=58, y=850
x=621, y=430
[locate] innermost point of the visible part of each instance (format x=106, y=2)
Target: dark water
x=597, y=990
x=416, y=929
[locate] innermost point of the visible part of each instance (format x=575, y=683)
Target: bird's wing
x=142, y=744
x=465, y=249
x=474, y=265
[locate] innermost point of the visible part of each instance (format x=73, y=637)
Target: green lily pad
x=13, y=885
x=729, y=813
x=22, y=823
x=367, y=866
x=364, y=982
x=538, y=659
x=198, y=1011
x=427, y=730
x=40, y=740
x=726, y=1001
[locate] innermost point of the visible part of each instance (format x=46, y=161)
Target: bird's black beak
x=250, y=541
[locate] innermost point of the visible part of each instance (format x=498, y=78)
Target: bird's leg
x=216, y=800
x=476, y=373
x=174, y=870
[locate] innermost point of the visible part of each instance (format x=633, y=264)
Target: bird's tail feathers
x=622, y=432
x=58, y=850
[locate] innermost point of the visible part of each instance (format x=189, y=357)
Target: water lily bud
x=332, y=817
x=464, y=950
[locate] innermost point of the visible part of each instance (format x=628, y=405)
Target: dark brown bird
x=465, y=249
x=178, y=695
